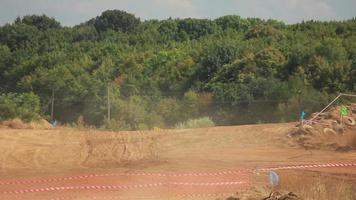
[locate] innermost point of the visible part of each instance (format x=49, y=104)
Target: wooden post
x=109, y=106
x=52, y=107
x=341, y=122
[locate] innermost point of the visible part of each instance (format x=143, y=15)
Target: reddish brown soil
x=31, y=157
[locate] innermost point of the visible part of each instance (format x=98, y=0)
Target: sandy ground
x=181, y=164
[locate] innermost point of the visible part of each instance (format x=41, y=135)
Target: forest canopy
x=158, y=73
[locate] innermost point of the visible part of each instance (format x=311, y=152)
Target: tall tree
x=42, y=22
x=116, y=20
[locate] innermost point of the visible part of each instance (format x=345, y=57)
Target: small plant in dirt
x=203, y=122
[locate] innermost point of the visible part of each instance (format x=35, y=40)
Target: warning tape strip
x=69, y=178
x=207, y=195
x=121, y=187
x=240, y=172
x=185, y=196
x=328, y=165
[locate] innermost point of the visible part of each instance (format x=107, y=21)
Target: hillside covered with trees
x=158, y=73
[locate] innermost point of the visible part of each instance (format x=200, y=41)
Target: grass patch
x=320, y=186
x=203, y=122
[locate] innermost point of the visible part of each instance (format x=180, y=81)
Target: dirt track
x=36, y=155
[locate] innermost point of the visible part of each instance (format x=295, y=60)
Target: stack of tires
x=332, y=122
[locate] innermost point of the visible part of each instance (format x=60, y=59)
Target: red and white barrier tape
x=208, y=184
x=328, y=165
x=185, y=196
x=241, y=172
x=121, y=187
x=16, y=182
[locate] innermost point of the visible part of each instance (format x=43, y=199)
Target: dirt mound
x=260, y=195
x=40, y=124
x=328, y=130
x=15, y=124
x=282, y=196
x=19, y=124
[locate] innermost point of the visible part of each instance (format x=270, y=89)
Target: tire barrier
x=329, y=130
x=308, y=127
x=349, y=121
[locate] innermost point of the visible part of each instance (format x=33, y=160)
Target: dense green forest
x=163, y=72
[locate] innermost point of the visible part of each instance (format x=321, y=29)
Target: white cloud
x=161, y=9
x=177, y=4
x=291, y=11
x=71, y=12
x=146, y=9
x=298, y=10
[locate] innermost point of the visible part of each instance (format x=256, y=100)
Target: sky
x=73, y=12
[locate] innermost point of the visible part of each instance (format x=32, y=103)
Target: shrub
x=130, y=114
x=203, y=122
x=169, y=110
x=25, y=106
x=115, y=125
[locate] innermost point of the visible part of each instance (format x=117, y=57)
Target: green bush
x=203, y=122
x=25, y=106
x=115, y=125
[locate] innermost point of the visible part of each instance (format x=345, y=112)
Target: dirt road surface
x=168, y=164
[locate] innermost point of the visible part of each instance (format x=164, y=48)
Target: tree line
x=163, y=72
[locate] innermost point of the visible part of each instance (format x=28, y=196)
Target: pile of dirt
x=14, y=124
x=328, y=130
x=282, y=196
x=19, y=124
x=278, y=195
x=40, y=124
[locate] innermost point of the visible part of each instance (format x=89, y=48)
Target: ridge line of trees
x=164, y=72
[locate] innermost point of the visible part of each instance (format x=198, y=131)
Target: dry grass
x=311, y=186
x=203, y=122
x=40, y=124
x=15, y=124
x=307, y=185
x=19, y=124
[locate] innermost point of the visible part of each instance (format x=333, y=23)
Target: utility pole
x=108, y=96
x=52, y=107
x=300, y=101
